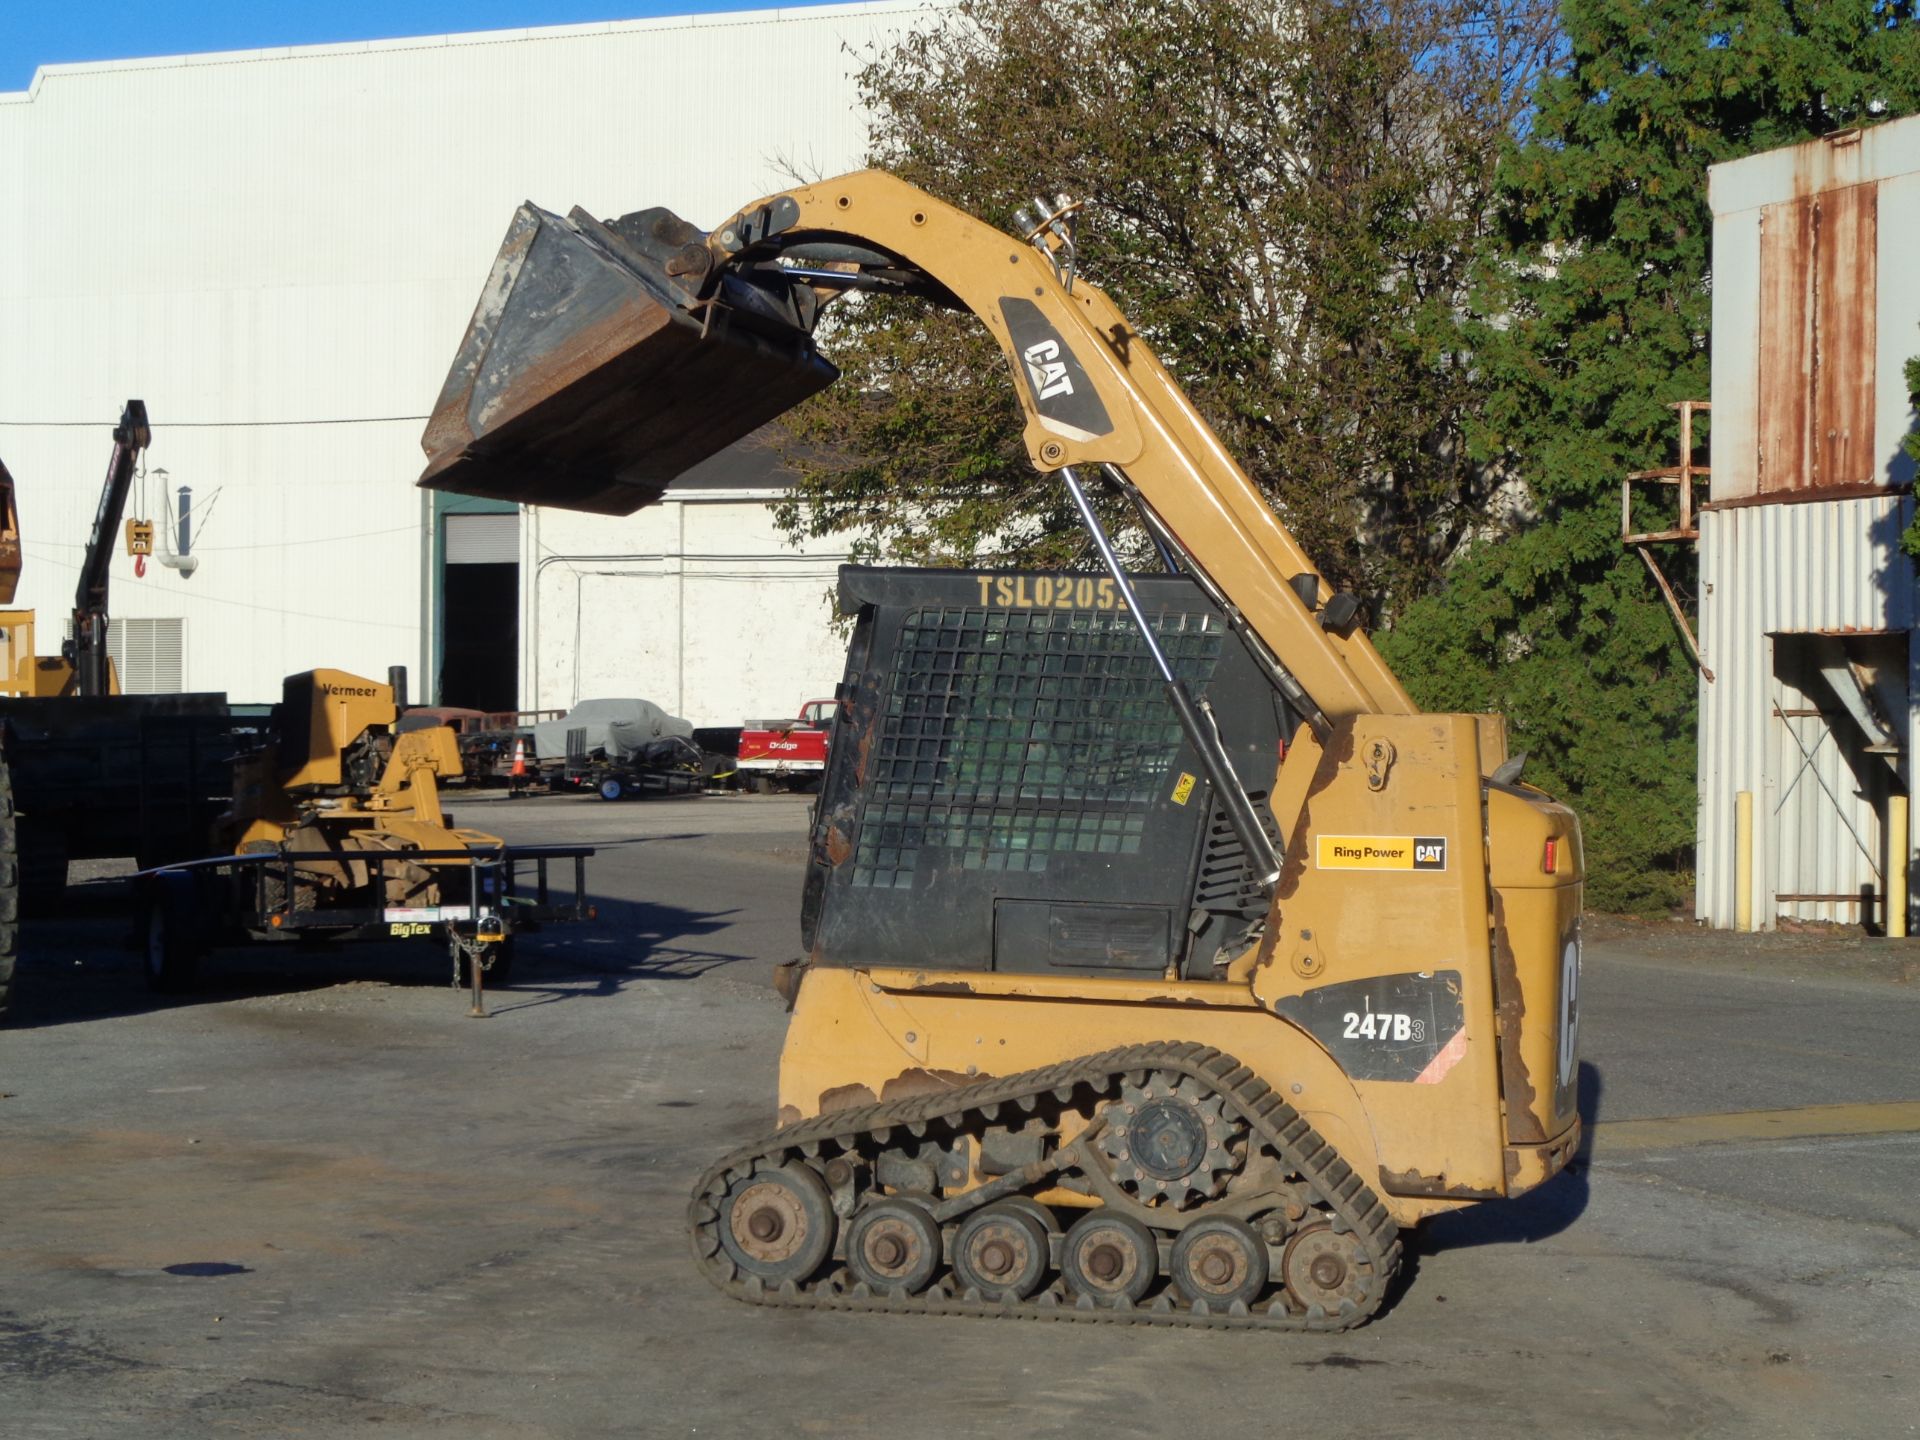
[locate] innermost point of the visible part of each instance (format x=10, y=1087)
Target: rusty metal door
x=1818, y=295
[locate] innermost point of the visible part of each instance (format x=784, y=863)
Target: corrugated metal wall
x=1816, y=309
x=253, y=238
x=1787, y=570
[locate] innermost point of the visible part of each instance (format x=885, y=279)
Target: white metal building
x=250, y=239
x=1807, y=604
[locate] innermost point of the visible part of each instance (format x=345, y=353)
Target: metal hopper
x=592, y=373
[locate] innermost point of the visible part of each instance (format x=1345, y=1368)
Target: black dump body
x=114, y=775
x=1008, y=787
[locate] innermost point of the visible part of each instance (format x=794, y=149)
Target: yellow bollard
x=1743, y=861
x=1898, y=852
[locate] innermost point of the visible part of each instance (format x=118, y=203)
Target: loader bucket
x=585, y=379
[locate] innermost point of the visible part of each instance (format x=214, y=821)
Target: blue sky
x=51, y=32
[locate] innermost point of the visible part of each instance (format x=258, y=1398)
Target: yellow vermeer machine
x=336, y=832
x=1164, y=961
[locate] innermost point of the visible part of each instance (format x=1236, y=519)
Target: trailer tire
x=9, y=887
x=613, y=788
x=171, y=949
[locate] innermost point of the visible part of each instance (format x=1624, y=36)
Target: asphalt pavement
x=314, y=1198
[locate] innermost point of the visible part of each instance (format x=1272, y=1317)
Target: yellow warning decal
x=1382, y=852
x=1182, y=788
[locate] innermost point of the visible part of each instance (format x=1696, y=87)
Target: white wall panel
x=1899, y=333
x=701, y=606
x=301, y=235
x=1735, y=425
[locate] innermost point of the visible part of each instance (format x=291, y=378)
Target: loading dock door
x=1832, y=765
x=480, y=612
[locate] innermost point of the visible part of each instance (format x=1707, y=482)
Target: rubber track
x=9, y=887
x=1353, y=1205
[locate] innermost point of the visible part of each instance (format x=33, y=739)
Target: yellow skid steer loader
x=1164, y=961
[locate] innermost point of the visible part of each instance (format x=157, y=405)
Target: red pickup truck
x=787, y=752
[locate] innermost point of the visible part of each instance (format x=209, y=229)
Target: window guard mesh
x=1012, y=736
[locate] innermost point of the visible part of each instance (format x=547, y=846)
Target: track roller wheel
x=893, y=1245
x=1109, y=1257
x=777, y=1223
x=1219, y=1260
x=1325, y=1269
x=1038, y=1211
x=1001, y=1251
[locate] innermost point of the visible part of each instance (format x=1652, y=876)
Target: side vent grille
x=1227, y=884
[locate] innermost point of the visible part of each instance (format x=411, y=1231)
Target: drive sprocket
x=1170, y=1141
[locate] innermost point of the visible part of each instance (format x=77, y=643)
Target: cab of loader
x=1009, y=789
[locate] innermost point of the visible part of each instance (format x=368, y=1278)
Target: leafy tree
x=1910, y=541
x=1598, y=311
x=1284, y=199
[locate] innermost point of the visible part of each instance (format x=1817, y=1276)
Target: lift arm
x=570, y=390
x=1095, y=395
x=130, y=437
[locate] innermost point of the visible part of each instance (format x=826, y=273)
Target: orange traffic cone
x=518, y=775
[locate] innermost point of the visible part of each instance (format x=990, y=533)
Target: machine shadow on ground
x=632, y=940
x=83, y=965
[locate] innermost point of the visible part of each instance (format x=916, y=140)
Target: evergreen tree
x=1910, y=541
x=1597, y=310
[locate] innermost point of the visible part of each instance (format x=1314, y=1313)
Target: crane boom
x=130, y=437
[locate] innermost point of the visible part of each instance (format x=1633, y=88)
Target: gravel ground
x=313, y=1198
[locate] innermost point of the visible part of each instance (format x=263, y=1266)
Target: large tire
x=9, y=887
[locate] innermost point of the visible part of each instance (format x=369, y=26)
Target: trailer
x=475, y=901
x=673, y=765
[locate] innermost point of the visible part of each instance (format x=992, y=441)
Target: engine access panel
x=1008, y=787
